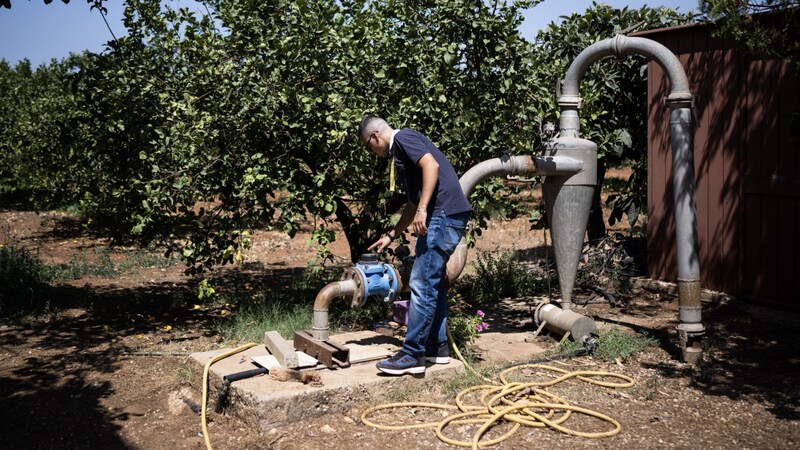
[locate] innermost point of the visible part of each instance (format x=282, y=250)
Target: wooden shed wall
x=746, y=168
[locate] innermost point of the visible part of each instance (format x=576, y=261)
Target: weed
x=403, y=393
x=613, y=343
x=502, y=275
x=80, y=266
x=651, y=387
x=146, y=259
x=342, y=316
x=251, y=321
x=21, y=270
x=184, y=372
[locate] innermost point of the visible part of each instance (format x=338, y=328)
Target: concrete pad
x=264, y=403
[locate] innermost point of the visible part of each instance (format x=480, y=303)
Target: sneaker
x=439, y=355
x=400, y=364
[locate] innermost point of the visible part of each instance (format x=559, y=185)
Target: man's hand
x=418, y=225
x=381, y=243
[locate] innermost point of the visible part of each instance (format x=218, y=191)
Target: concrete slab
x=264, y=403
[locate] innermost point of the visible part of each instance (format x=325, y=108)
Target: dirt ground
x=94, y=372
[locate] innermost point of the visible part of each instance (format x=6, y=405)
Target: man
x=437, y=212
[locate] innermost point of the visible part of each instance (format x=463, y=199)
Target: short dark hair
x=368, y=124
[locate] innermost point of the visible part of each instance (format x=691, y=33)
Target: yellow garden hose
x=204, y=400
x=513, y=402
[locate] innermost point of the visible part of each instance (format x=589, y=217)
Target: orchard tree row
x=194, y=129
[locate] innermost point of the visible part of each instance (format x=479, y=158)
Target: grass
x=288, y=307
x=20, y=269
x=613, y=343
x=249, y=323
x=467, y=379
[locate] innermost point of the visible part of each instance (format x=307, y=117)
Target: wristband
x=390, y=235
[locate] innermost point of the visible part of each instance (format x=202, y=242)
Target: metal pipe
x=562, y=320
x=319, y=329
x=680, y=102
x=620, y=45
x=505, y=165
x=513, y=166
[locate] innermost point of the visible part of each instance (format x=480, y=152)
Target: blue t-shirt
x=409, y=146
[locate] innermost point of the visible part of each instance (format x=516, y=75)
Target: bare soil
x=105, y=367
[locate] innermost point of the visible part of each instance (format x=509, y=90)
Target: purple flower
x=485, y=326
x=480, y=313
x=479, y=327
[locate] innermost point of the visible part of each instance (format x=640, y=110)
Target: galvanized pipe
x=562, y=320
x=513, y=166
x=319, y=328
x=680, y=102
x=619, y=45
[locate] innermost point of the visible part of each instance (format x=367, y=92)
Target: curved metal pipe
x=506, y=165
x=619, y=45
x=319, y=329
x=680, y=103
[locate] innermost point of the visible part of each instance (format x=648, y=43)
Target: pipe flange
x=359, y=294
x=570, y=102
x=692, y=328
x=680, y=99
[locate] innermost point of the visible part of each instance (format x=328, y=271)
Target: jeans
x=427, y=315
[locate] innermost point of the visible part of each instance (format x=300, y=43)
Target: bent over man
x=437, y=212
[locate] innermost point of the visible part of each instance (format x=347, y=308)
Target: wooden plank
x=772, y=185
x=659, y=251
x=769, y=250
x=751, y=281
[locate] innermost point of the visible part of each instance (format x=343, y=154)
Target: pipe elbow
x=506, y=165
x=622, y=45
x=332, y=290
x=457, y=262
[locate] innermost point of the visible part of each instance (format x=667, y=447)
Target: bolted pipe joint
x=368, y=278
x=372, y=279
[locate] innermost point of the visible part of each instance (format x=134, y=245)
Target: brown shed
x=746, y=163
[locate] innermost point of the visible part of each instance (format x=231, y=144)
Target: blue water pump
x=373, y=279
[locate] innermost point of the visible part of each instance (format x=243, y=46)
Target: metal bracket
x=329, y=353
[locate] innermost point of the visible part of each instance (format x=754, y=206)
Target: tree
x=208, y=133
x=773, y=33
x=614, y=94
x=41, y=122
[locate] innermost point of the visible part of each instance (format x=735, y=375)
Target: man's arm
x=430, y=176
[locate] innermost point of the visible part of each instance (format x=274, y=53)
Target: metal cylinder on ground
x=561, y=321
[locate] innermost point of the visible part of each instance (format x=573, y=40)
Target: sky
x=39, y=32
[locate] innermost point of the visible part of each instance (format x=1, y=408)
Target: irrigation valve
x=373, y=279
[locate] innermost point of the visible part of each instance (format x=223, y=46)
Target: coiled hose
x=519, y=403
